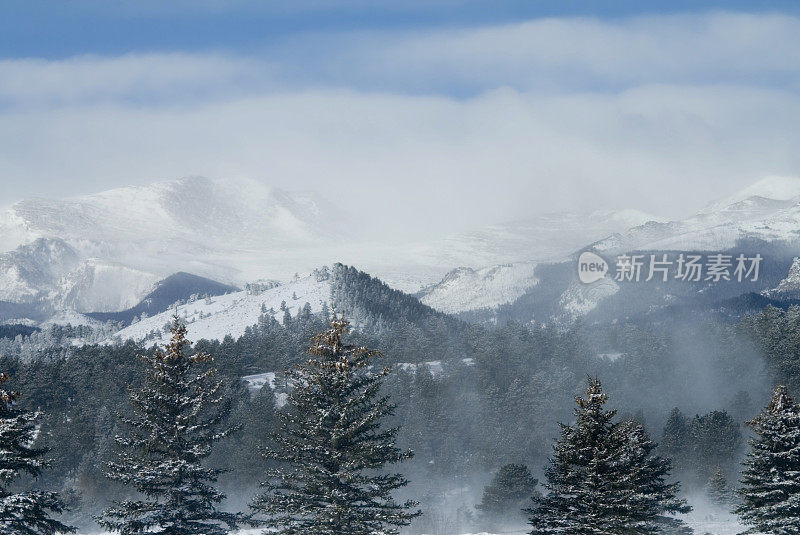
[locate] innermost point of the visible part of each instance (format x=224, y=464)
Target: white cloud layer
x=454, y=127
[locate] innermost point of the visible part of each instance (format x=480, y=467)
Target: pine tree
x=332, y=448
x=718, y=491
x=178, y=417
x=675, y=438
x=603, y=478
x=508, y=492
x=26, y=513
x=716, y=440
x=771, y=480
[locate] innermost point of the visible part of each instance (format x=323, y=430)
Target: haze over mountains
x=103, y=253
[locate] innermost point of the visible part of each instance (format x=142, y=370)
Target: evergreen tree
x=508, y=492
x=332, y=448
x=770, y=482
x=26, y=513
x=178, y=417
x=718, y=491
x=603, y=478
x=716, y=441
x=675, y=438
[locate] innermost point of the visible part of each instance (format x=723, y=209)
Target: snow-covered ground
x=707, y=521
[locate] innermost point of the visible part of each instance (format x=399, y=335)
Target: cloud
x=429, y=159
x=438, y=130
x=591, y=53
x=550, y=55
x=134, y=78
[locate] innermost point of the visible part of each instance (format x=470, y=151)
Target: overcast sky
x=447, y=114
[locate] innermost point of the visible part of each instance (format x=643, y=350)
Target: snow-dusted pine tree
x=603, y=478
x=178, y=416
x=771, y=480
x=26, y=513
x=332, y=448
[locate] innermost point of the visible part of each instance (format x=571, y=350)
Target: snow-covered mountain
x=481, y=282
x=580, y=299
x=767, y=210
x=465, y=289
x=104, y=252
x=116, y=244
x=193, y=213
x=32, y=271
x=366, y=301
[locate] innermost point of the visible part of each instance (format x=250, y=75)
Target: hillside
x=367, y=302
x=177, y=287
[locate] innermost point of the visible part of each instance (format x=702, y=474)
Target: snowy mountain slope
x=774, y=188
x=519, y=246
x=768, y=210
x=33, y=270
x=465, y=289
x=226, y=230
x=231, y=314
x=366, y=301
x=177, y=287
x=580, y=299
x=114, y=244
x=69, y=317
x=195, y=210
x=99, y=286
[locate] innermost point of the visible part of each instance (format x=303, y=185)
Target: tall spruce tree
x=178, y=416
x=332, y=448
x=603, y=478
x=26, y=513
x=771, y=480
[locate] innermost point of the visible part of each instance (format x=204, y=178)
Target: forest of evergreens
x=469, y=399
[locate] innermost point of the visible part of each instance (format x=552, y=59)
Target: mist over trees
x=469, y=399
x=506, y=496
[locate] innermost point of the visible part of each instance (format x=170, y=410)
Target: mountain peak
x=774, y=188
x=209, y=212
